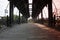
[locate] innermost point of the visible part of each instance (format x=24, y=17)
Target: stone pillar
x=50, y=15
x=11, y=12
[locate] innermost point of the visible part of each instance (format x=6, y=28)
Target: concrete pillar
x=50, y=15
x=11, y=12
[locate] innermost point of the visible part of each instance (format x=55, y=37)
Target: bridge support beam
x=41, y=17
x=54, y=21
x=19, y=16
x=26, y=20
x=34, y=19
x=11, y=13
x=50, y=15
x=38, y=17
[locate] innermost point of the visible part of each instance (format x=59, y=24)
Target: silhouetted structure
x=37, y=7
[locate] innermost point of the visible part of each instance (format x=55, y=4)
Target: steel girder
x=23, y=6
x=37, y=7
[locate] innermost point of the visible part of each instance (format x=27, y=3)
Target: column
x=50, y=15
x=41, y=17
x=19, y=16
x=11, y=12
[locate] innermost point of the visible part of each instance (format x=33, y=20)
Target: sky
x=57, y=3
x=4, y=3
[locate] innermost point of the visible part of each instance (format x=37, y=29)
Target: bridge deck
x=30, y=31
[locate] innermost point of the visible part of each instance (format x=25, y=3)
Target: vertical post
x=34, y=19
x=41, y=17
x=26, y=20
x=54, y=20
x=50, y=13
x=7, y=21
x=19, y=16
x=11, y=12
x=38, y=17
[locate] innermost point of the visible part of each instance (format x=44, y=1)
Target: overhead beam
x=38, y=5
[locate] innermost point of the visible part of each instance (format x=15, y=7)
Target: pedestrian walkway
x=29, y=31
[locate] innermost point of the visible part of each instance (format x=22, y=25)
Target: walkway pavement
x=30, y=31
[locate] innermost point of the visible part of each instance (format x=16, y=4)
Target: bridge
x=39, y=29
x=37, y=7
